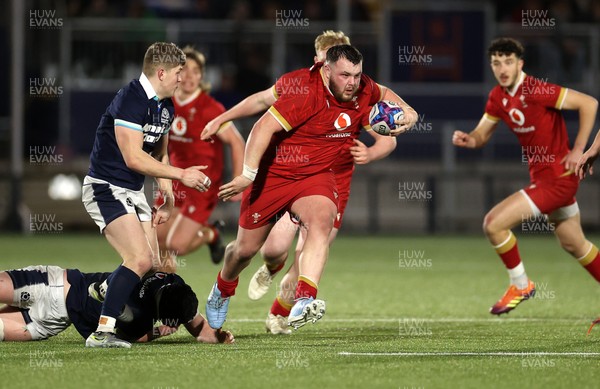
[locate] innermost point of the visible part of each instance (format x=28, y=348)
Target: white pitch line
x=474, y=354
x=493, y=320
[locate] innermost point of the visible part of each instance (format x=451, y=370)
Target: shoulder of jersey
x=495, y=92
x=132, y=90
x=300, y=73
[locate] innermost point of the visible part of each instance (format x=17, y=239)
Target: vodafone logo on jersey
x=342, y=122
x=179, y=126
x=516, y=116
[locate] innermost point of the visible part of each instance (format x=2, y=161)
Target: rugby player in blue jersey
x=43, y=301
x=131, y=143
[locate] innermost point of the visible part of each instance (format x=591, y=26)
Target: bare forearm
x=237, y=158
x=165, y=185
x=257, y=144
x=141, y=162
x=381, y=148
x=390, y=95
x=251, y=105
x=595, y=147
x=587, y=115
x=194, y=327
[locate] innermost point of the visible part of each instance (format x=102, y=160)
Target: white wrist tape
x=249, y=173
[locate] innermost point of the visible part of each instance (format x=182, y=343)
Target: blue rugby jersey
x=135, y=107
x=84, y=311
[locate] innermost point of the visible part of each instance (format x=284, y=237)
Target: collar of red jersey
x=148, y=87
x=188, y=99
x=517, y=85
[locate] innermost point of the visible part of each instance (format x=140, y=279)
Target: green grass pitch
x=402, y=312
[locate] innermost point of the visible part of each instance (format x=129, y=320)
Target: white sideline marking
x=491, y=319
x=473, y=354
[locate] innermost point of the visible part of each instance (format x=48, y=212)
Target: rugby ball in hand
x=383, y=116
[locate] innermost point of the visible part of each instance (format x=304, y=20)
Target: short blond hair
x=162, y=54
x=331, y=38
x=192, y=54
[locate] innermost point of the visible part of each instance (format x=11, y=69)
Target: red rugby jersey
x=532, y=112
x=318, y=128
x=185, y=147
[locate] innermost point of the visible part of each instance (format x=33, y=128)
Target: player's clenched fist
x=194, y=178
x=462, y=139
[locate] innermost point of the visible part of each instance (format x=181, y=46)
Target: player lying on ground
x=43, y=301
x=288, y=161
x=276, y=248
x=531, y=109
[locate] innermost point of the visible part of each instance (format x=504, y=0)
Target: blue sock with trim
x=122, y=283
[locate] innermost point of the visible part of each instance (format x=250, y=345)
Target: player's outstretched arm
x=476, y=138
x=257, y=144
x=586, y=162
x=587, y=107
x=410, y=115
x=157, y=332
x=382, y=147
x=251, y=105
x=130, y=143
x=203, y=333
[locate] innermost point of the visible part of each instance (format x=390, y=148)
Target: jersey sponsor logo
x=339, y=135
x=152, y=133
x=342, y=122
x=179, y=126
x=523, y=130
x=516, y=116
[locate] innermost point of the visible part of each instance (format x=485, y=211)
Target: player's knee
x=244, y=251
x=570, y=246
x=1, y=330
x=142, y=263
x=489, y=225
x=323, y=225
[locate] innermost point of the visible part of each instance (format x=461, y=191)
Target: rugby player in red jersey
x=288, y=162
x=275, y=249
x=188, y=228
x=531, y=109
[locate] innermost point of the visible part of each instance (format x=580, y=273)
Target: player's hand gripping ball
x=383, y=116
